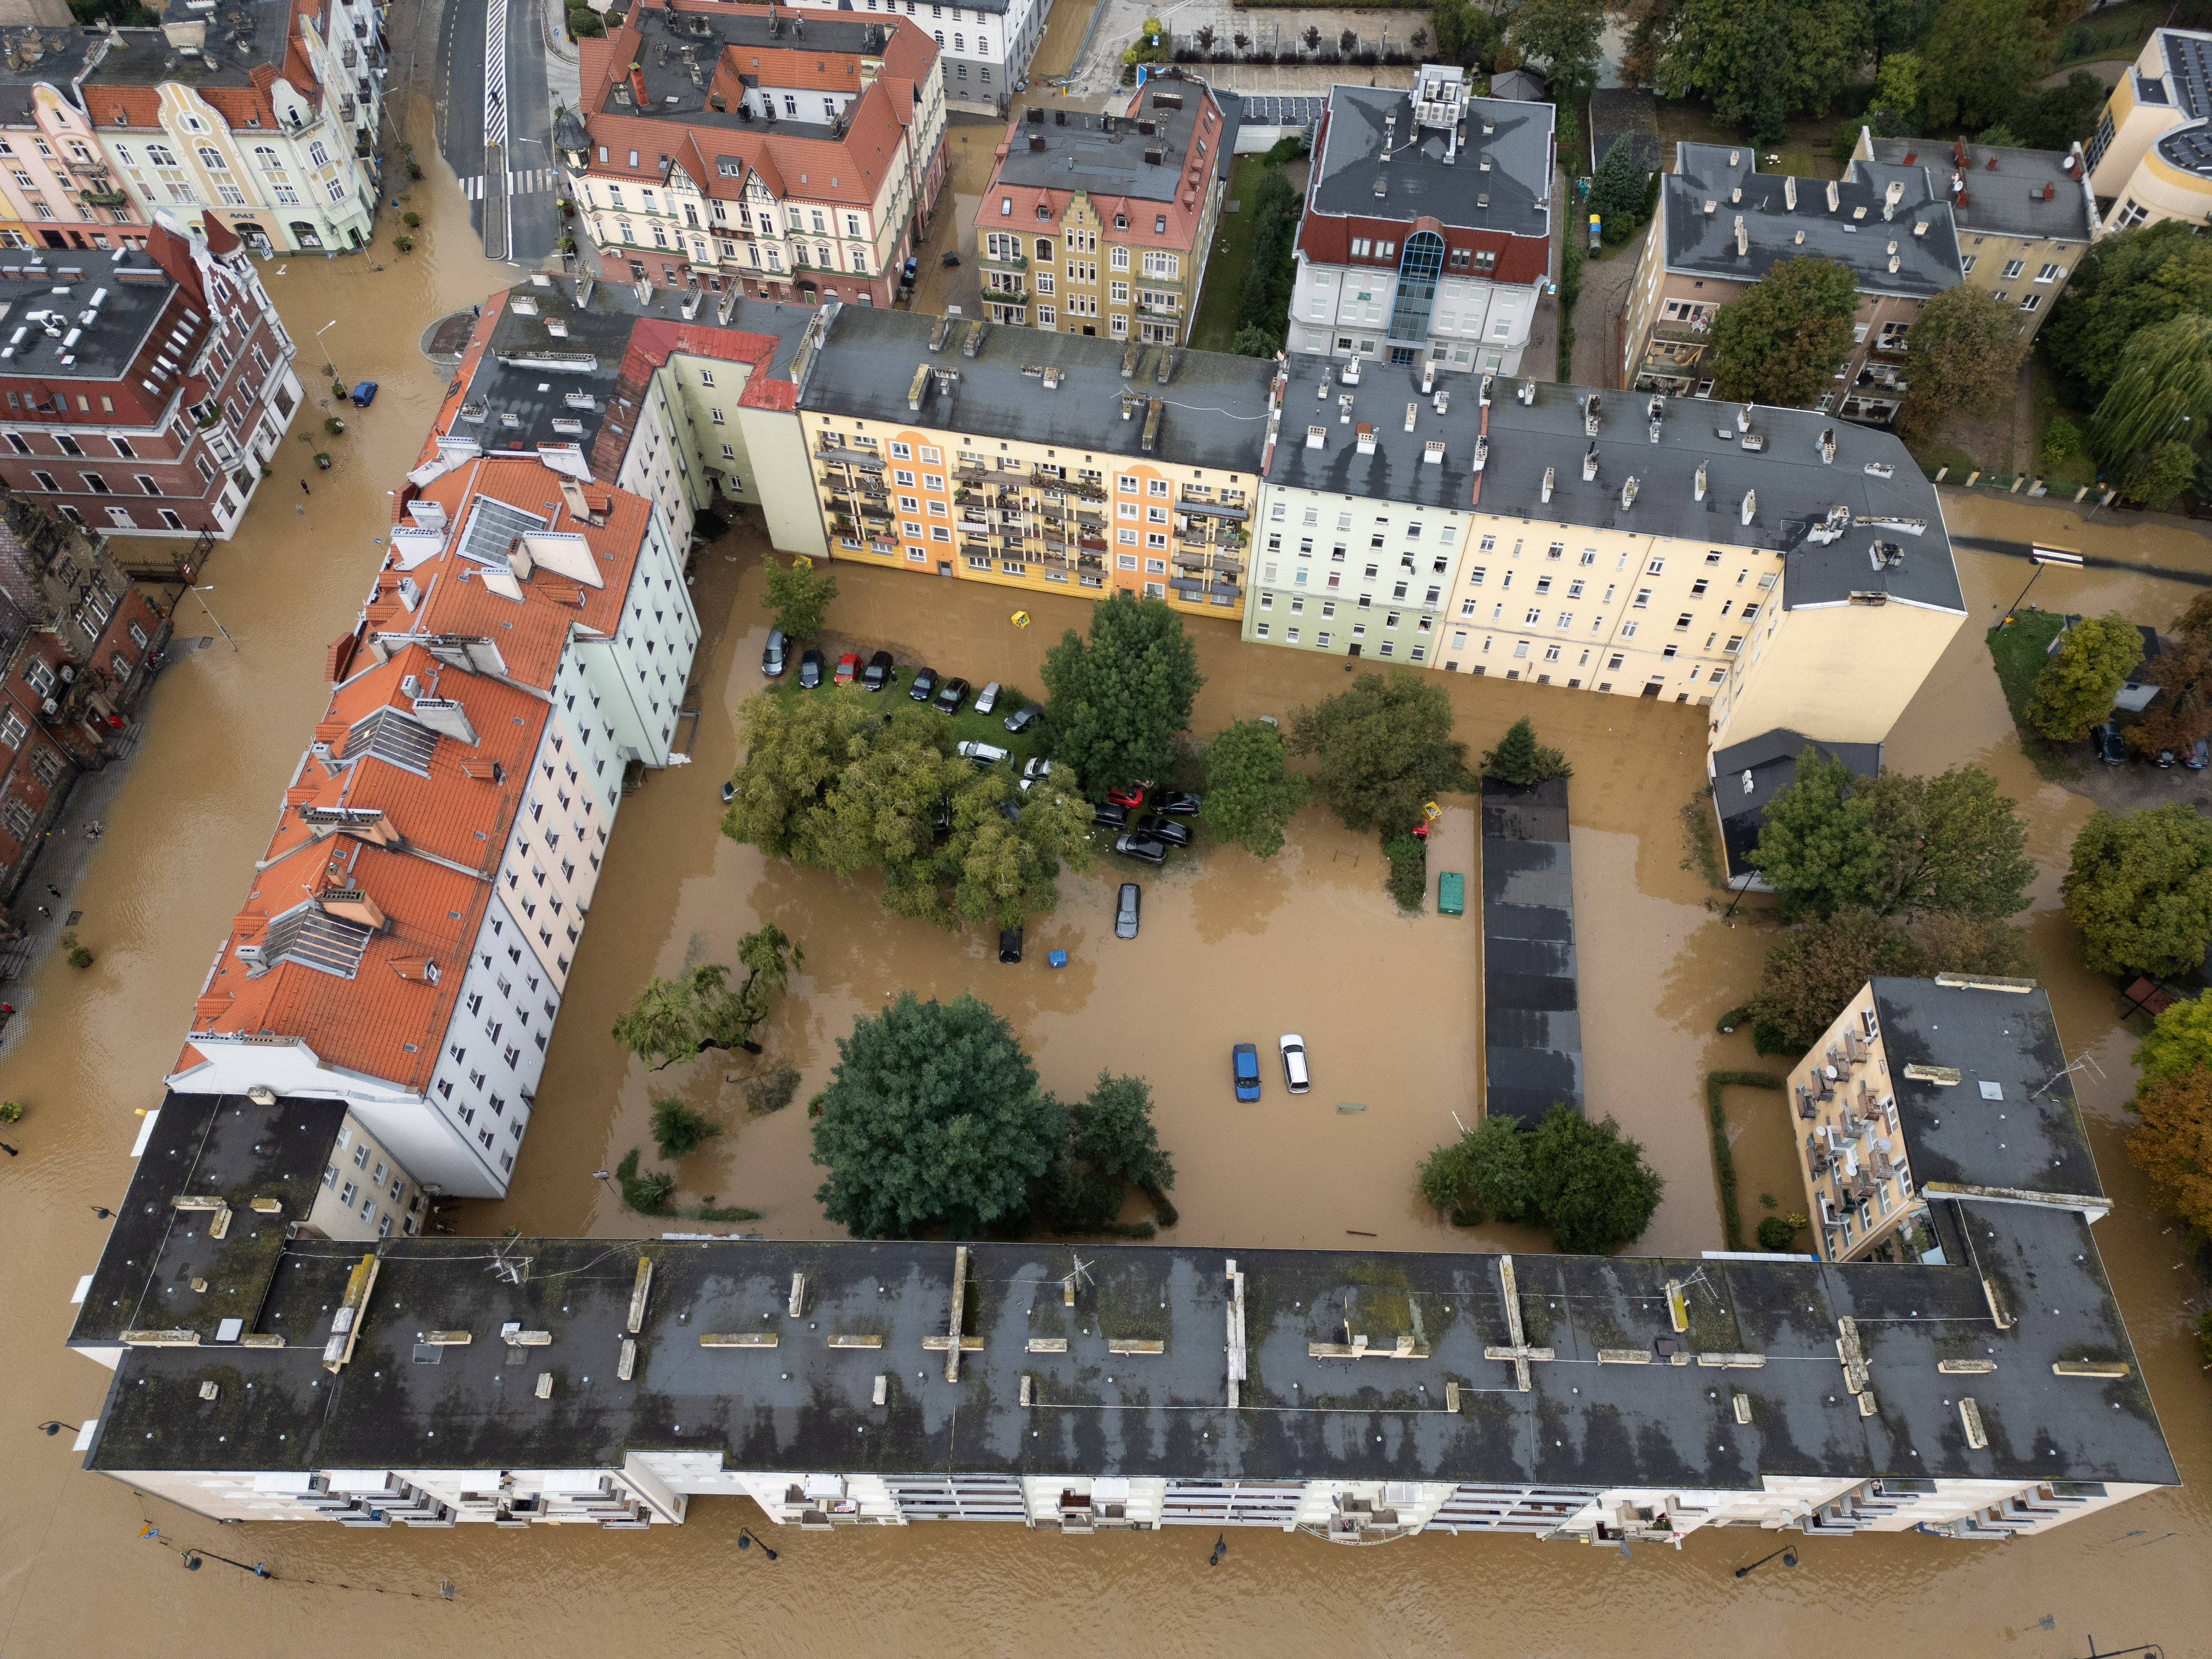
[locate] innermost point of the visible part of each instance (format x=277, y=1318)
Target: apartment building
x=415, y=921
x=821, y=1380
x=1088, y=467
x=754, y=148
x=1722, y=225
x=2024, y=218
x=144, y=390
x=1100, y=224
x=987, y=48
x=264, y=115
x=74, y=636
x=1752, y=560
x=2151, y=155
x=1427, y=232
x=691, y=408
x=57, y=188
x=1921, y=1087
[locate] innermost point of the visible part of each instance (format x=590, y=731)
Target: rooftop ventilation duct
x=1628, y=493
x=1700, y=493
x=1550, y=474
x=1590, y=464
x=1750, y=504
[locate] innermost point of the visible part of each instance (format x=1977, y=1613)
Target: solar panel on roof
x=493, y=527
x=315, y=938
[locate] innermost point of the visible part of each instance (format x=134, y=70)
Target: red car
x=1133, y=797
x=848, y=666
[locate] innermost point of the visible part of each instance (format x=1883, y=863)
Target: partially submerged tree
x=2077, y=686
x=2179, y=1040
x=2140, y=890
x=1250, y=796
x=1384, y=746
x=798, y=596
x=1589, y=1183
x=1119, y=698
x=673, y=1019
x=678, y=1130
x=2173, y=1144
x=1481, y=1176
x=1817, y=849
x=1519, y=759
x=1814, y=971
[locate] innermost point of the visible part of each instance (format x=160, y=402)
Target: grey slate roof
x=1771, y=759
x=1397, y=470
x=2005, y=200
x=1794, y=491
x=62, y=282
x=28, y=56
x=1105, y=154
x=1417, y=181
x=1854, y=235
x=1213, y=408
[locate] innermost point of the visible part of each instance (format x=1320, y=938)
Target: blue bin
x=1057, y=958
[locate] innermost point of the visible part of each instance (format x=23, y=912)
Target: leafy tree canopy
x=2159, y=473
x=1963, y=352
x=1979, y=61
x=2140, y=889
x=2172, y=1145
x=673, y=1019
x=1119, y=698
x=2077, y=686
x=933, y=1116
x=1781, y=341
x=1815, y=971
x=2057, y=117
x=798, y=596
x=1818, y=849
x=2184, y=714
x=678, y=1130
x=2126, y=283
x=2163, y=390
x=1949, y=843
x=2179, y=1041
x=1483, y=1175
x=1250, y=796
x=1111, y=1129
x=1466, y=34
x=1519, y=759
x=829, y=783
x=1563, y=35
x=1385, y=748
x=1590, y=1184
x=1757, y=60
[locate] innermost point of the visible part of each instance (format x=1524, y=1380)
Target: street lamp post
x=212, y=617
x=1787, y=1552
x=746, y=1541
x=2044, y=558
x=328, y=364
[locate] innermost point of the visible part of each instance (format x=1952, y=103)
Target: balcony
x=1698, y=333
x=1222, y=511
x=1011, y=262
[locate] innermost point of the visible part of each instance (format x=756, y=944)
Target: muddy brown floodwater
x=1230, y=949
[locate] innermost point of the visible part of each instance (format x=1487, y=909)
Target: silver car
x=1294, y=1062
x=983, y=754
x=1126, y=909
x=987, y=698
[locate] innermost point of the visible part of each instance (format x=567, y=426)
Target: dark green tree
x=1948, y=843
x=1119, y=699
x=678, y=1131
x=1466, y=35
x=1979, y=62
x=1818, y=849
x=2140, y=890
x=933, y=1116
x=798, y=596
x=1385, y=749
x=1781, y=340
x=1263, y=296
x=1616, y=190
x=1812, y=974
x=2129, y=282
x=2079, y=682
x=1591, y=1185
x=1519, y=759
x=1254, y=341
x=2162, y=393
x=1756, y=59
x=1563, y=35
x=2057, y=117
x=1481, y=1176
x=1250, y=796
x=2159, y=473
x=1111, y=1129
x=1963, y=352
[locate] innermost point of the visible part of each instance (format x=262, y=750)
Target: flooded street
x=1231, y=949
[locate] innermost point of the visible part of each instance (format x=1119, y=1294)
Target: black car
x=951, y=696
x=1178, y=805
x=1009, y=944
x=1166, y=829
x=810, y=669
x=1109, y=817
x=925, y=684
x=1143, y=848
x=1125, y=909
x=2110, y=749
x=878, y=674
x=1024, y=718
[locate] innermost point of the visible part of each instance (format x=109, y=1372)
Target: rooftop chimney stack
x=1743, y=237
x=1750, y=504
x=1527, y=390
x=1743, y=418
x=1827, y=445
x=1835, y=196
x=1590, y=464
x=1628, y=493
x=1590, y=415
x=1550, y=474
x=1789, y=194
x=1700, y=493
x=1410, y=409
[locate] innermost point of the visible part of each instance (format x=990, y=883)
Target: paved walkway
x=1597, y=314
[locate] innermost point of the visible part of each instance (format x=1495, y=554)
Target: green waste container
x=1451, y=893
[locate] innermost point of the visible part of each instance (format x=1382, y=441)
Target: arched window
x=1419, y=267
x=211, y=159
x=160, y=156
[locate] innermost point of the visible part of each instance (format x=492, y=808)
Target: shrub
x=678, y=1130
x=647, y=1193
x=334, y=425
x=2061, y=440
x=1776, y=1234
x=79, y=957
x=770, y=1091
x=1409, y=880
x=11, y=1111
x=337, y=391
x=403, y=242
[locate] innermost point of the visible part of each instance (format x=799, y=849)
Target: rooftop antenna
x=1080, y=1276
x=2088, y=1061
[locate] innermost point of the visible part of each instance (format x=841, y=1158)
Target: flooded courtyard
x=1231, y=950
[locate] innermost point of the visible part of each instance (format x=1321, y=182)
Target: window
x=1643, y=597
x=2012, y=268
x=2031, y=303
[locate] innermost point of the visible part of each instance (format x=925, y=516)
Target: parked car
x=1244, y=1068
x=810, y=669
x=1129, y=795
x=987, y=698
x=1294, y=1062
x=1110, y=818
x=1011, y=811
x=1009, y=944
x=1177, y=803
x=950, y=697
x=2194, y=759
x=774, y=653
x=925, y=684
x=1166, y=829
x=2110, y=749
x=877, y=674
x=1143, y=848
x=1035, y=770
x=848, y=668
x=983, y=754
x=2164, y=760
x=1126, y=907
x=1024, y=718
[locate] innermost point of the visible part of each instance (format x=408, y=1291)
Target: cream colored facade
x=1075, y=278
x=367, y=1192
x=1850, y=1152
x=744, y=454
x=2151, y=155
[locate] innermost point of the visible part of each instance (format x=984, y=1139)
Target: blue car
x=1244, y=1062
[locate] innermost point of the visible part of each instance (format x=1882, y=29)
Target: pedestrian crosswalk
x=529, y=181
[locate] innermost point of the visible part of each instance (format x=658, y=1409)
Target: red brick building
x=74, y=636
x=143, y=390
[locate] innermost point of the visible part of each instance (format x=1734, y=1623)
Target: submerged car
x=1143, y=848
x=1294, y=1062
x=1010, y=945
x=810, y=669
x=1244, y=1070
x=1126, y=907
x=877, y=674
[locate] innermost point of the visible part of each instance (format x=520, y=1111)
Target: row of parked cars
x=1154, y=832
x=1244, y=1066
x=2112, y=749
x=879, y=673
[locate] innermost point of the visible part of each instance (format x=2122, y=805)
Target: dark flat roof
x=62, y=282
x=2003, y=200
x=1854, y=235
x=1105, y=154
x=1531, y=1018
x=1417, y=181
x=1214, y=406
x=144, y=57
x=31, y=54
